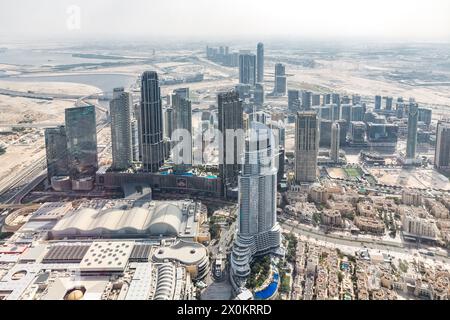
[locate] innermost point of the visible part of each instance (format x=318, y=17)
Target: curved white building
x=159, y=219
x=259, y=232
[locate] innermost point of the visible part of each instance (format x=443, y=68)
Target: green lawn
x=353, y=173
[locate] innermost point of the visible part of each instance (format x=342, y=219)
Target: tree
x=214, y=230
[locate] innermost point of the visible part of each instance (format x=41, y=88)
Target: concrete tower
x=260, y=63
x=121, y=132
x=335, y=142
x=258, y=233
x=413, y=117
x=247, y=69
x=306, y=146
x=231, y=118
x=151, y=123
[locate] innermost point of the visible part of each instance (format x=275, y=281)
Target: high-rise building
x=358, y=113
x=258, y=94
x=356, y=99
x=306, y=146
x=81, y=131
x=335, y=112
x=413, y=117
x=247, y=68
x=280, y=79
x=326, y=99
x=315, y=100
x=293, y=99
x=56, y=152
x=389, y=101
x=182, y=108
x=325, y=133
x=306, y=100
x=230, y=118
x=335, y=145
x=121, y=132
x=336, y=99
x=259, y=233
x=425, y=115
x=168, y=122
x=183, y=121
x=377, y=102
x=135, y=133
x=151, y=123
x=442, y=154
x=260, y=62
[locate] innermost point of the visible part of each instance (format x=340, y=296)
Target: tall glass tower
x=306, y=146
x=81, y=131
x=151, y=123
x=260, y=63
x=247, y=69
x=56, y=151
x=259, y=232
x=121, y=132
x=413, y=117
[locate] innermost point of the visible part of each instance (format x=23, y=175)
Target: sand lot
x=411, y=178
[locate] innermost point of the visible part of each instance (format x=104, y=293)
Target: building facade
x=121, y=130
x=335, y=139
x=56, y=152
x=442, y=154
x=413, y=117
x=280, y=79
x=259, y=232
x=306, y=146
x=247, y=69
x=260, y=62
x=231, y=118
x=151, y=126
x=81, y=132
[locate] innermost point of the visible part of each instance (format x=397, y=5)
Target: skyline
x=416, y=20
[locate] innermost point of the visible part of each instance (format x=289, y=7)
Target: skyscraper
x=258, y=233
x=335, y=145
x=293, y=100
x=260, y=62
x=135, y=132
x=336, y=99
x=377, y=102
x=326, y=99
x=413, y=117
x=81, y=131
x=152, y=144
x=247, y=68
x=306, y=100
x=56, y=152
x=182, y=120
x=389, y=103
x=231, y=118
x=182, y=108
x=280, y=79
x=315, y=100
x=258, y=94
x=442, y=154
x=121, y=132
x=356, y=99
x=306, y=146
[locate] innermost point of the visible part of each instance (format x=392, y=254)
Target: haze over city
x=400, y=20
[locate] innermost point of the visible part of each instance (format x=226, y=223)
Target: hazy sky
x=417, y=20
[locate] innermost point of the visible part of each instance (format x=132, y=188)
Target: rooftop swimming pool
x=268, y=291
